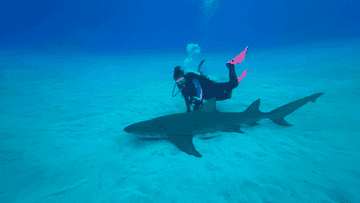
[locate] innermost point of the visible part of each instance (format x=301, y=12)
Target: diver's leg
x=227, y=86
x=223, y=90
x=233, y=83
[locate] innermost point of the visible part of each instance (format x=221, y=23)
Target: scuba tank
x=212, y=78
x=198, y=72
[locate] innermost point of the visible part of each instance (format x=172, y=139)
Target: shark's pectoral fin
x=253, y=124
x=281, y=121
x=185, y=144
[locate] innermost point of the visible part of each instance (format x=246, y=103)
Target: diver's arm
x=187, y=102
x=188, y=99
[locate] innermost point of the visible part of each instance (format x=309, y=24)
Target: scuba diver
x=196, y=87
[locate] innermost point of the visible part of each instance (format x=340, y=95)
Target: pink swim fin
x=239, y=58
x=242, y=76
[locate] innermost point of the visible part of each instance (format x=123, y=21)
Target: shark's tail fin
x=278, y=114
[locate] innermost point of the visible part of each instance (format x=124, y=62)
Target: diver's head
x=179, y=75
x=178, y=72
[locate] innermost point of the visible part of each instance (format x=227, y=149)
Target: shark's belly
x=151, y=136
x=204, y=131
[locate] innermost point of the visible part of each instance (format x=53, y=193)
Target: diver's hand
x=230, y=65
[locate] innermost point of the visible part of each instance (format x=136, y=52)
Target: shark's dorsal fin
x=254, y=107
x=208, y=106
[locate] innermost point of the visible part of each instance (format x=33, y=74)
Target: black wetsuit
x=221, y=91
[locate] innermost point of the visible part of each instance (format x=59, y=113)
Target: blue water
x=74, y=74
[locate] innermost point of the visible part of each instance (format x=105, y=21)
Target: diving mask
x=180, y=81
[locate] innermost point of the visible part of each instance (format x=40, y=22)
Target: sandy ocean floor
x=62, y=138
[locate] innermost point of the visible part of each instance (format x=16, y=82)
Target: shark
x=180, y=128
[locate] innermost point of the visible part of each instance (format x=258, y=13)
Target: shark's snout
x=129, y=129
x=139, y=128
